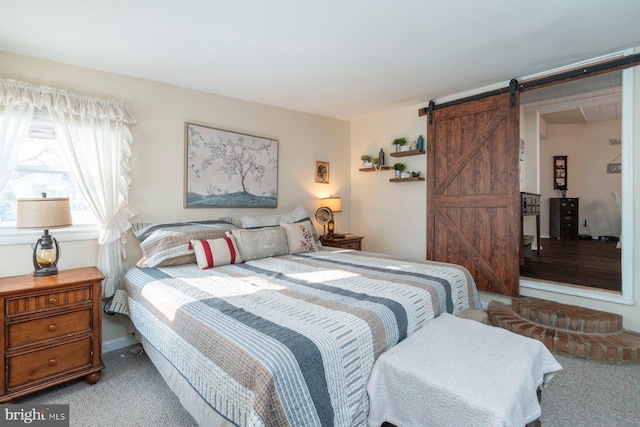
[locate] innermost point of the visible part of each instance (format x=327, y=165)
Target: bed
x=287, y=339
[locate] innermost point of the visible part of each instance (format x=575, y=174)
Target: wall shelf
x=381, y=168
x=406, y=179
x=407, y=153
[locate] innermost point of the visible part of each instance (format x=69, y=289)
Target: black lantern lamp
x=44, y=213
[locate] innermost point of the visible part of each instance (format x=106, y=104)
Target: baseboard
x=119, y=343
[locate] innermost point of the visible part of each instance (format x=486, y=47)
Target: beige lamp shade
x=333, y=203
x=43, y=213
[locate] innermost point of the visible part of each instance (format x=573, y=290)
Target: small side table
x=51, y=330
x=347, y=242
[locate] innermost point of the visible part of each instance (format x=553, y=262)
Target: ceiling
x=587, y=100
x=339, y=58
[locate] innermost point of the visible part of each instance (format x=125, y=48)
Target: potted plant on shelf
x=366, y=161
x=399, y=142
x=399, y=167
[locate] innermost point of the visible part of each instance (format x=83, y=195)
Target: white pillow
x=164, y=248
x=298, y=214
x=216, y=252
x=249, y=221
x=261, y=243
x=167, y=244
x=299, y=237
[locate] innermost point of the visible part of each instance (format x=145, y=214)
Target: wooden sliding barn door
x=473, y=194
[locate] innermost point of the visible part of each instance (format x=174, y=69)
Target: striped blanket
x=290, y=340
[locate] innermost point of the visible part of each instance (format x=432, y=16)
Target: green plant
x=399, y=141
x=375, y=160
x=365, y=157
x=399, y=166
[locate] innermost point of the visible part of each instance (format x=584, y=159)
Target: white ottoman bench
x=458, y=372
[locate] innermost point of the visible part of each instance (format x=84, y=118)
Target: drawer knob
x=52, y=362
x=52, y=327
x=52, y=300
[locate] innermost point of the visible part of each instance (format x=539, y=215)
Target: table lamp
x=335, y=205
x=44, y=214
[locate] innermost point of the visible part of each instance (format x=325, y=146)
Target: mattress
x=290, y=340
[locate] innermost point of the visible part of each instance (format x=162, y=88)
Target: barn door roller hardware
x=512, y=88
x=585, y=71
x=513, y=93
x=430, y=109
x=514, y=85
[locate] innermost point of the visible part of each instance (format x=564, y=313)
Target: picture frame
x=229, y=169
x=322, y=172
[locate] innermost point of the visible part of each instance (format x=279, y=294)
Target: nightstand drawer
x=39, y=302
x=29, y=332
x=347, y=242
x=350, y=245
x=28, y=368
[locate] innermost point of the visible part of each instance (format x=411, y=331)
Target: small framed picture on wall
x=322, y=172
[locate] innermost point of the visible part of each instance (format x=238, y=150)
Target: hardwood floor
x=590, y=263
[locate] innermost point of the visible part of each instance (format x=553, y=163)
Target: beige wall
x=391, y=216
x=157, y=164
x=530, y=164
x=588, y=149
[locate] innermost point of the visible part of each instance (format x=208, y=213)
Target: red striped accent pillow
x=216, y=252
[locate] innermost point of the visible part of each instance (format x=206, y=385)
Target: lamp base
x=46, y=271
x=336, y=236
x=46, y=253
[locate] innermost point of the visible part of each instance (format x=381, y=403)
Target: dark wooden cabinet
x=51, y=330
x=347, y=242
x=563, y=218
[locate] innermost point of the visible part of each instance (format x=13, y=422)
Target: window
x=41, y=168
x=97, y=136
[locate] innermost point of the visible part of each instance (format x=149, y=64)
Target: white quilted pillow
x=249, y=222
x=298, y=214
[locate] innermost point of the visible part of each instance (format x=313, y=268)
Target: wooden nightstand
x=51, y=330
x=347, y=242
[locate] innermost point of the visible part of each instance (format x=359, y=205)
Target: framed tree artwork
x=229, y=169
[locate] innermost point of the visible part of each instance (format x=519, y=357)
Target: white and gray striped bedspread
x=290, y=340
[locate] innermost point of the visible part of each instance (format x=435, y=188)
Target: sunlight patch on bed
x=239, y=286
x=166, y=300
x=397, y=267
x=324, y=275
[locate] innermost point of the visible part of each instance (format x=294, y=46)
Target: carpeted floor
x=592, y=394
x=132, y=393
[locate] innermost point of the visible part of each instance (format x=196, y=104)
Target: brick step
x=620, y=346
x=565, y=316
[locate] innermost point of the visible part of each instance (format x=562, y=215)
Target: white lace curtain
x=96, y=143
x=14, y=123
